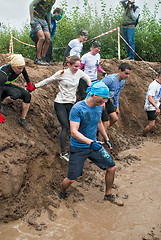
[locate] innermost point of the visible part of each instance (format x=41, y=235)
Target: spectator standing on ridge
x=130, y=18
x=75, y=46
x=152, y=103
x=10, y=92
x=85, y=119
x=56, y=16
x=115, y=83
x=68, y=82
x=38, y=10
x=90, y=63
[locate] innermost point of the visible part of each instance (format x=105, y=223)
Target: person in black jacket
x=10, y=92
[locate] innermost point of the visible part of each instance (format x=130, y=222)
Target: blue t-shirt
x=114, y=86
x=88, y=118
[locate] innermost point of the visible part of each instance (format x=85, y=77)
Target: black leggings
x=62, y=112
x=16, y=92
x=82, y=89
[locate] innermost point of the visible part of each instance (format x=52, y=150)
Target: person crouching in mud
x=10, y=92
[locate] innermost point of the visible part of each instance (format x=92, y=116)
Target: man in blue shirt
x=115, y=83
x=56, y=16
x=85, y=119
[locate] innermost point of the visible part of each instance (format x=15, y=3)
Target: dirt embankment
x=31, y=170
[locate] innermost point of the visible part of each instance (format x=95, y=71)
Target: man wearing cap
x=10, y=92
x=131, y=14
x=85, y=119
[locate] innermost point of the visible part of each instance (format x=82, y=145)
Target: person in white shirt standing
x=152, y=103
x=75, y=46
x=90, y=62
x=66, y=97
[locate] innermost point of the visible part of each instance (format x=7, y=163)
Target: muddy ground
x=31, y=170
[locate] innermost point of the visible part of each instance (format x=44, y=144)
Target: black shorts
x=15, y=92
x=108, y=109
x=152, y=114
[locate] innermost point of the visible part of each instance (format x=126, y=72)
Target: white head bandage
x=16, y=60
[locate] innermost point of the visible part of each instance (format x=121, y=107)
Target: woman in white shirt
x=75, y=46
x=66, y=97
x=90, y=62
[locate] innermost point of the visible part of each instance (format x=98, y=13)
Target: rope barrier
x=138, y=55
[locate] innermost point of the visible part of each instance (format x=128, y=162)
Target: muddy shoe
x=62, y=195
x=4, y=109
x=113, y=199
x=23, y=123
x=64, y=156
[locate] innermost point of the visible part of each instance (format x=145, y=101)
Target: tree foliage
x=147, y=37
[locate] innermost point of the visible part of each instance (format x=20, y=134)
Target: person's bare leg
x=41, y=39
x=106, y=125
x=109, y=179
x=66, y=184
x=148, y=127
x=25, y=108
x=7, y=100
x=113, y=118
x=46, y=43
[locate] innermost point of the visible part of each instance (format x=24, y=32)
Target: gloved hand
x=1, y=118
x=96, y=146
x=104, y=74
x=30, y=87
x=109, y=143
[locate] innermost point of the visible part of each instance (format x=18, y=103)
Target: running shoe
x=64, y=156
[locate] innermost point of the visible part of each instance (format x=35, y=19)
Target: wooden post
x=119, y=43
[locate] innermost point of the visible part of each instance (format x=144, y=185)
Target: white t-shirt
x=76, y=47
x=154, y=90
x=68, y=84
x=91, y=63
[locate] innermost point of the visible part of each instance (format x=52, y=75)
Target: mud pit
x=31, y=171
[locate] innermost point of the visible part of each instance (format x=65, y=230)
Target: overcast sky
x=16, y=12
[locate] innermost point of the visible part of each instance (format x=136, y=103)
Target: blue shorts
x=78, y=157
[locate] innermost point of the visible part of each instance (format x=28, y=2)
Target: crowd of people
x=89, y=119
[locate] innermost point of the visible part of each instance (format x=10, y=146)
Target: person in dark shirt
x=38, y=10
x=10, y=92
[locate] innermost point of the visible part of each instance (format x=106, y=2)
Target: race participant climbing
x=152, y=103
x=90, y=63
x=68, y=82
x=38, y=10
x=10, y=92
x=115, y=83
x=75, y=46
x=85, y=119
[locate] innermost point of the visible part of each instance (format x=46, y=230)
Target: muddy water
x=97, y=220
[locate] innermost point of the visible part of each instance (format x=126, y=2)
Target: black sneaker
x=4, y=109
x=62, y=195
x=44, y=61
x=23, y=123
x=64, y=156
x=39, y=61
x=113, y=199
